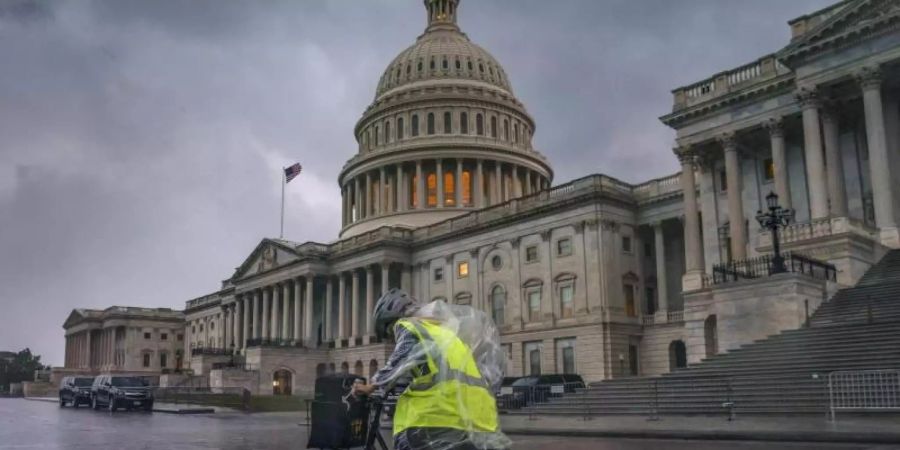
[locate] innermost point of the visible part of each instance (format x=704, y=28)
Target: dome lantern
x=442, y=14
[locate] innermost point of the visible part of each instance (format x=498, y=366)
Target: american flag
x=291, y=172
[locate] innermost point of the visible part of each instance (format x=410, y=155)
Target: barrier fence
x=518, y=397
x=863, y=391
x=231, y=397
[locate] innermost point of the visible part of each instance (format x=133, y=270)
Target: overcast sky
x=141, y=141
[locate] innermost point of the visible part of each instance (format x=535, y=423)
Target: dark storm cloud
x=141, y=140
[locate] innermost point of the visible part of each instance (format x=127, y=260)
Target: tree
x=19, y=368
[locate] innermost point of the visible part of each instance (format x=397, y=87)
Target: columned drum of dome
x=444, y=135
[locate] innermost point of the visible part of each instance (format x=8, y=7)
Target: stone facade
x=447, y=199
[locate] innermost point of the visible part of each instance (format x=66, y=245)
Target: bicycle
x=376, y=407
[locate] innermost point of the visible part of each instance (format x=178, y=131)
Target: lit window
x=566, y=301
x=768, y=169
x=449, y=189
x=466, y=186
x=431, y=181
x=438, y=274
x=462, y=269
x=626, y=244
x=531, y=253
x=534, y=305
x=630, y=310
x=564, y=247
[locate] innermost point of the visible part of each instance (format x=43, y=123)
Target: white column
x=266, y=296
x=420, y=186
x=775, y=127
x=735, y=202
x=245, y=312
x=517, y=185
x=298, y=310
x=406, y=279
x=309, y=302
x=528, y=190
x=370, y=301
x=812, y=149
x=479, y=184
x=498, y=183
x=457, y=185
x=357, y=199
x=329, y=322
x=286, y=310
x=439, y=172
x=342, y=306
x=275, y=325
x=400, y=192
x=236, y=324
x=382, y=182
x=834, y=163
x=870, y=81
x=354, y=308
x=661, y=281
x=370, y=199
x=256, y=324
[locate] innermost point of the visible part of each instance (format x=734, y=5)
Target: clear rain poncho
x=478, y=332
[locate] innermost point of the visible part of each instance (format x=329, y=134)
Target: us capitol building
x=447, y=198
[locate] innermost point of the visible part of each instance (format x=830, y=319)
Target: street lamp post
x=773, y=219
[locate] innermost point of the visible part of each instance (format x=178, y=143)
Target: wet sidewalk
x=877, y=429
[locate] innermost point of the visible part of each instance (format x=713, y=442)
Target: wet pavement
x=28, y=424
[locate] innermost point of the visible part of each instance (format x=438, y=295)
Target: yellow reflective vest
x=453, y=393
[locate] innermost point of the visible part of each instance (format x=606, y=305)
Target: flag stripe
x=291, y=172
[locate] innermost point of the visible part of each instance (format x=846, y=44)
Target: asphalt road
x=28, y=424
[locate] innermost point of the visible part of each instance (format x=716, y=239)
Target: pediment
x=852, y=20
x=268, y=255
x=79, y=315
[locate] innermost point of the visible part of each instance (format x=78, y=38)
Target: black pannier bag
x=338, y=420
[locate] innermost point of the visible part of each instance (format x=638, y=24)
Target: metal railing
x=763, y=266
x=274, y=343
x=196, y=351
x=518, y=397
x=863, y=390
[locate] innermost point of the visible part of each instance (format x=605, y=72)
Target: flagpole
x=283, y=182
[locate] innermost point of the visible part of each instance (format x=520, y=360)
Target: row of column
x=280, y=312
x=824, y=171
x=351, y=300
x=92, y=348
x=457, y=183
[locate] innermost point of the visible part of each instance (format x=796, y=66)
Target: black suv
x=538, y=388
x=75, y=391
x=112, y=391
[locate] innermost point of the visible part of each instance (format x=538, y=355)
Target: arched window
x=399, y=128
x=358, y=368
x=449, y=189
x=415, y=125
x=677, y=355
x=493, y=126
x=479, y=124
x=458, y=65
x=419, y=67
x=464, y=123
x=506, y=130
x=444, y=64
x=387, y=131
x=431, y=191
x=430, y=123
x=498, y=304
x=469, y=64
x=373, y=367
x=448, y=123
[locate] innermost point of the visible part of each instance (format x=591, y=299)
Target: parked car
x=75, y=391
x=114, y=391
x=504, y=393
x=538, y=388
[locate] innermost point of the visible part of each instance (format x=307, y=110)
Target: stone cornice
x=770, y=88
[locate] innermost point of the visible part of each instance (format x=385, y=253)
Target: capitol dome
x=444, y=135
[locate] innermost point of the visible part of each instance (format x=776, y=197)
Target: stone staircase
x=859, y=328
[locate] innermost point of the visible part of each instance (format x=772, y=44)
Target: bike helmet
x=392, y=306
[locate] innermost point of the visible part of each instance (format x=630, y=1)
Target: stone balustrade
x=723, y=83
x=814, y=229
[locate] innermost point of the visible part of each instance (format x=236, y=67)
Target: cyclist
x=448, y=404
